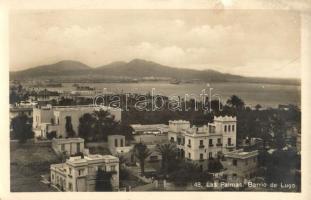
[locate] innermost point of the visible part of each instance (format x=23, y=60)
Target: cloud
x=231, y=41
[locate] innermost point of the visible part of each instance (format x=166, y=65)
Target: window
x=113, y=168
x=225, y=128
x=70, y=186
x=78, y=147
x=218, y=141
x=81, y=171
x=52, y=176
x=229, y=141
x=229, y=128
x=121, y=141
x=62, y=147
x=201, y=156
x=172, y=139
x=234, y=162
x=116, y=142
x=189, y=155
x=232, y=127
x=70, y=170
x=201, y=142
x=210, y=155
x=179, y=141
x=189, y=143
x=210, y=142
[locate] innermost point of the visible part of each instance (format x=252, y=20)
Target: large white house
x=54, y=118
x=78, y=174
x=198, y=144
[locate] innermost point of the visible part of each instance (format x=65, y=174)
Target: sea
x=267, y=95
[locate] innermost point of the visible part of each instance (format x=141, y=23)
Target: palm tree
x=141, y=152
x=105, y=123
x=168, y=153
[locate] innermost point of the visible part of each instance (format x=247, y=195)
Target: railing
x=219, y=144
x=189, y=145
x=211, y=145
x=201, y=146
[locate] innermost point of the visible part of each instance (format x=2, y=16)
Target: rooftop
x=225, y=118
x=179, y=121
x=240, y=154
x=90, y=158
x=148, y=127
x=67, y=140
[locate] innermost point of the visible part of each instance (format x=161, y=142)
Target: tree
x=188, y=172
x=214, y=165
x=258, y=106
x=141, y=152
x=69, y=129
x=105, y=123
x=22, y=128
x=235, y=102
x=103, y=181
x=86, y=125
x=279, y=129
x=169, y=154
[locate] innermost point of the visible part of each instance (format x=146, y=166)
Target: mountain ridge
x=135, y=69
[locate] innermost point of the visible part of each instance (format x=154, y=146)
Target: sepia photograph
x=155, y=100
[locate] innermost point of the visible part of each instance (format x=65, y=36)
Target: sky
x=261, y=43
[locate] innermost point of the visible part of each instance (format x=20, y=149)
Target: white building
x=47, y=119
x=70, y=146
x=78, y=173
x=201, y=143
x=241, y=164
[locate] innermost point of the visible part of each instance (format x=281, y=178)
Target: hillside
x=137, y=68
x=66, y=67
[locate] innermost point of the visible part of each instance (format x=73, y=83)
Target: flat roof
x=148, y=127
x=240, y=154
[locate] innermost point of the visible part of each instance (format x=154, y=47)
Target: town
x=63, y=142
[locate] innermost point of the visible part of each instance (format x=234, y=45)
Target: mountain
x=137, y=68
x=65, y=67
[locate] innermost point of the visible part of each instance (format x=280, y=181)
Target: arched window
x=225, y=128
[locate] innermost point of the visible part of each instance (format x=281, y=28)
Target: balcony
x=230, y=145
x=210, y=145
x=219, y=144
x=201, y=146
x=189, y=145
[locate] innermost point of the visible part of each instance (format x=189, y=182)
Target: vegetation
x=69, y=128
x=188, y=172
x=103, y=181
x=280, y=166
x=22, y=128
x=97, y=125
x=214, y=165
x=168, y=153
x=141, y=152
